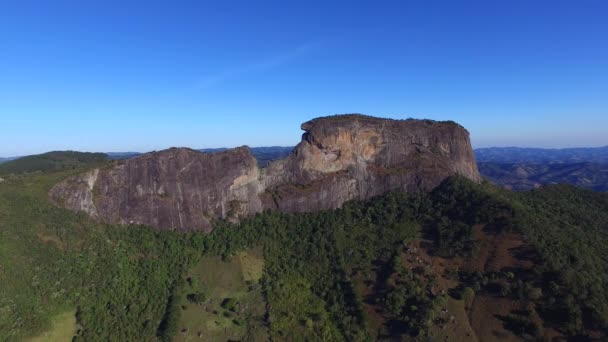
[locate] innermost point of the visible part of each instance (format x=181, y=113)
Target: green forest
x=52, y=161
x=321, y=271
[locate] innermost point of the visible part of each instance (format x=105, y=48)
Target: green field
x=233, y=307
x=63, y=329
x=252, y=264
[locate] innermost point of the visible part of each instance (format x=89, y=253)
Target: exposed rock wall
x=349, y=157
x=173, y=189
x=340, y=158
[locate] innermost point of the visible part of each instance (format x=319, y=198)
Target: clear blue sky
x=145, y=75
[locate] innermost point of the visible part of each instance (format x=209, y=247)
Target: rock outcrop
x=340, y=158
x=349, y=157
x=177, y=189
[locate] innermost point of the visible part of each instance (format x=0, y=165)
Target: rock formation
x=174, y=189
x=340, y=158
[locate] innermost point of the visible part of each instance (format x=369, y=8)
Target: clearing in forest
x=223, y=300
x=252, y=264
x=63, y=328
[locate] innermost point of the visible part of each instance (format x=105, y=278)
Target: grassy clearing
x=230, y=305
x=63, y=329
x=457, y=330
x=252, y=264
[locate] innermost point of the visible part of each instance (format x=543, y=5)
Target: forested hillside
x=396, y=266
x=51, y=161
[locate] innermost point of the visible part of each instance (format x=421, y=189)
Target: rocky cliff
x=347, y=157
x=340, y=158
x=173, y=189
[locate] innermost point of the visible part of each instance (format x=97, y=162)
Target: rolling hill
x=264, y=155
x=51, y=161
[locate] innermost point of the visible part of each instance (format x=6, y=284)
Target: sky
x=148, y=75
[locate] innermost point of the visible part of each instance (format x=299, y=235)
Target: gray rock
x=340, y=158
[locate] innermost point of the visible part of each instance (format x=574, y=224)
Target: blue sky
x=147, y=75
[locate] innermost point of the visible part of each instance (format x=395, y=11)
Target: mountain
x=346, y=157
x=520, y=176
x=527, y=168
x=4, y=160
x=340, y=158
x=177, y=188
x=264, y=155
x=122, y=155
x=378, y=230
x=511, y=155
x=57, y=160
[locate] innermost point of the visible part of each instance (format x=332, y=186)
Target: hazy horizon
x=124, y=76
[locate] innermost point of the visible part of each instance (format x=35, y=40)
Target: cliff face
x=357, y=157
x=340, y=158
x=174, y=189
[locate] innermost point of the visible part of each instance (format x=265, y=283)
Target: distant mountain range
x=521, y=176
x=264, y=155
x=527, y=168
x=542, y=155
x=4, y=160
x=490, y=154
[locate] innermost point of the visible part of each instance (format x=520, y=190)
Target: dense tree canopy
x=125, y=281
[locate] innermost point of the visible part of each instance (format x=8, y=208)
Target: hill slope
x=264, y=155
x=4, y=160
x=57, y=160
x=351, y=274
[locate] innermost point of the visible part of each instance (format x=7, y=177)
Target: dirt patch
x=498, y=251
x=453, y=321
x=458, y=329
x=416, y=256
x=373, y=311
x=480, y=321
x=52, y=240
x=484, y=318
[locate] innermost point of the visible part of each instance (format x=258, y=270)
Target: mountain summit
x=340, y=158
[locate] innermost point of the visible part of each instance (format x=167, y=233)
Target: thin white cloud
x=259, y=66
